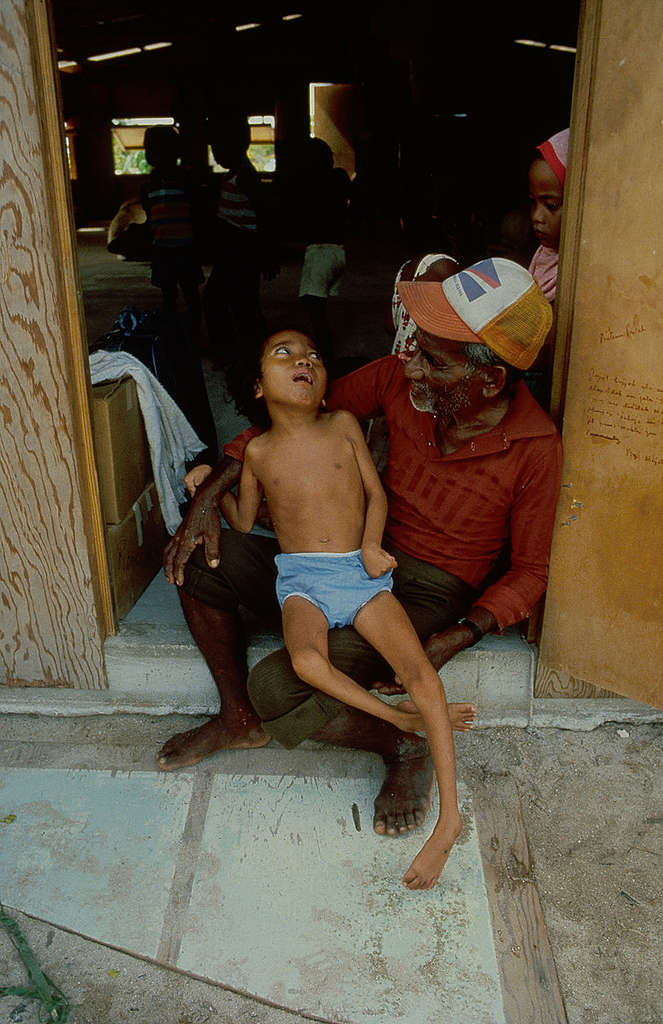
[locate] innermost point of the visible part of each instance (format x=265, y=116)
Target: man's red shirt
x=461, y=511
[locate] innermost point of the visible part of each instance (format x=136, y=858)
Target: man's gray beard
x=423, y=399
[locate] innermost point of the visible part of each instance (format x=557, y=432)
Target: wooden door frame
x=48, y=99
x=589, y=27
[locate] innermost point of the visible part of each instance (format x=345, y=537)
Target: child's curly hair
x=244, y=372
x=241, y=377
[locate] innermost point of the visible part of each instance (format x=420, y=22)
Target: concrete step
x=155, y=656
x=154, y=667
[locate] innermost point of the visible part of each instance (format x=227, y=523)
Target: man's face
x=441, y=379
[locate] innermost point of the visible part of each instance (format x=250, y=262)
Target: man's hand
x=202, y=524
x=442, y=647
x=376, y=560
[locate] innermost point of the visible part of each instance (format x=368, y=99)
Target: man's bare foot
x=187, y=748
x=403, y=802
x=428, y=865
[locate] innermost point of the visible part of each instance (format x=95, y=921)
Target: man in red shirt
x=473, y=472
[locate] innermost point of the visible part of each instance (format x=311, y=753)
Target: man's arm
x=511, y=598
x=202, y=523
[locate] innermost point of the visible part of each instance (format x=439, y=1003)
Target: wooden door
x=54, y=601
x=603, y=621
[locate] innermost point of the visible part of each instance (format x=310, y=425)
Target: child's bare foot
x=403, y=802
x=427, y=866
x=462, y=716
x=187, y=748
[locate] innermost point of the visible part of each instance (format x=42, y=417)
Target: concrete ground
x=593, y=812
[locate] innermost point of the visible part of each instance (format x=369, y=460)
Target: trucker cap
x=495, y=302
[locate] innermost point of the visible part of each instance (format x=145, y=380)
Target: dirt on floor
x=592, y=803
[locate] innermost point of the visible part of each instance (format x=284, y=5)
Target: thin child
x=328, y=509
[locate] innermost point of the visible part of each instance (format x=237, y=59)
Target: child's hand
x=408, y=718
x=427, y=866
x=376, y=560
x=195, y=477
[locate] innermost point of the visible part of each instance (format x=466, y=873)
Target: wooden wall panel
x=604, y=611
x=51, y=606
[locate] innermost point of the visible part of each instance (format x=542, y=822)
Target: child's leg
x=305, y=631
x=384, y=623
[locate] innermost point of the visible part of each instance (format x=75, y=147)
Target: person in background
x=546, y=195
x=322, y=193
x=169, y=200
x=430, y=267
x=435, y=266
x=241, y=244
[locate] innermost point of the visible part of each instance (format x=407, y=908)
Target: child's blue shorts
x=336, y=583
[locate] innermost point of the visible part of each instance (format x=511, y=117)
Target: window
x=261, y=151
x=261, y=147
x=128, y=151
x=70, y=148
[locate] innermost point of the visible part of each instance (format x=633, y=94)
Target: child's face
x=292, y=371
x=546, y=195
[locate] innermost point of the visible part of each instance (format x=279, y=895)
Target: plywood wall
x=51, y=606
x=603, y=622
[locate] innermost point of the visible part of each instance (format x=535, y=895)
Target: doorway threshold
x=154, y=657
x=154, y=667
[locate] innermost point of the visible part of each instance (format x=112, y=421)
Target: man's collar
x=524, y=418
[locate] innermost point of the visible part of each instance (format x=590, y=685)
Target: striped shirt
x=168, y=207
x=234, y=206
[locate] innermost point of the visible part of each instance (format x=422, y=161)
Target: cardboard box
x=123, y=457
x=135, y=548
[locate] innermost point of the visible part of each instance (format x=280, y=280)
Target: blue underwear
x=336, y=583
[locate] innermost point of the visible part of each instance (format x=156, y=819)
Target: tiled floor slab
x=294, y=904
x=271, y=884
x=93, y=851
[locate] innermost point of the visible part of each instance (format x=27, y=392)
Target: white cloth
x=170, y=436
x=404, y=326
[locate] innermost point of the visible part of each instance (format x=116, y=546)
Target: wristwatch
x=476, y=631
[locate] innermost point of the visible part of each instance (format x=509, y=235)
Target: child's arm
x=376, y=560
x=240, y=512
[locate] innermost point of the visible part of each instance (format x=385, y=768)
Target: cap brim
x=431, y=310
